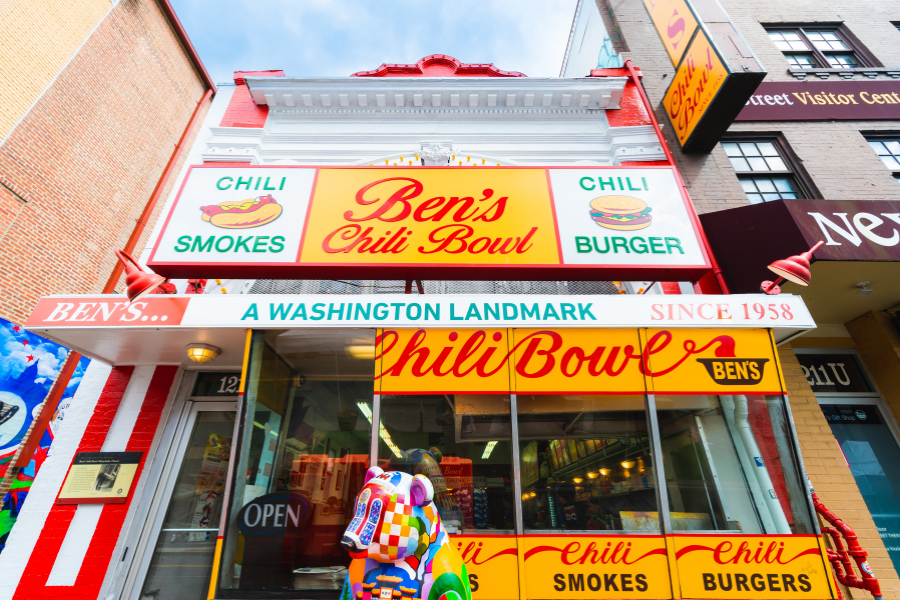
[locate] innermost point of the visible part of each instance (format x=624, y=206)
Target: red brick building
x=85, y=137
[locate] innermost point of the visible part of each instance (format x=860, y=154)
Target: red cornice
x=438, y=65
x=186, y=43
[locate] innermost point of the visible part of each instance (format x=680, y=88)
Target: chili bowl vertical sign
x=700, y=77
x=235, y=216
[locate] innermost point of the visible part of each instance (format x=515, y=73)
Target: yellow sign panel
x=585, y=566
x=710, y=361
x=675, y=24
x=576, y=361
x=468, y=361
x=419, y=216
x=588, y=361
x=492, y=564
x=697, y=81
x=758, y=566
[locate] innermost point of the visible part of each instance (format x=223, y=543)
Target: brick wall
x=835, y=154
x=79, y=168
x=878, y=344
x=37, y=38
x=830, y=476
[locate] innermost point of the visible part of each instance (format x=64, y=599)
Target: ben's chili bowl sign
x=290, y=221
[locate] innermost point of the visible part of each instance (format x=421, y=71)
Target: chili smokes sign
x=449, y=223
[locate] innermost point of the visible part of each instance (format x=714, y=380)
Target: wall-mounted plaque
x=99, y=478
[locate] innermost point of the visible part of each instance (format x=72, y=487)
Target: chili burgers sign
x=415, y=223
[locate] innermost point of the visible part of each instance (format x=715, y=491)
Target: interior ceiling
x=831, y=295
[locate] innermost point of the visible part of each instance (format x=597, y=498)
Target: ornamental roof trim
x=452, y=93
x=438, y=65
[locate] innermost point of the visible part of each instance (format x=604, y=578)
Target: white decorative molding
x=510, y=93
x=436, y=153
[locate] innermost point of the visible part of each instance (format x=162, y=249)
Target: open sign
x=273, y=513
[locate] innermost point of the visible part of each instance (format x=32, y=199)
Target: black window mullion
x=820, y=56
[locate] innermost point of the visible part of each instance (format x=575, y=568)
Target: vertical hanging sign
x=716, y=72
x=675, y=23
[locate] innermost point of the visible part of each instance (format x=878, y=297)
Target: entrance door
x=873, y=456
x=187, y=522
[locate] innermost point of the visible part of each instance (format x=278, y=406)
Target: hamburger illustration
x=242, y=214
x=620, y=212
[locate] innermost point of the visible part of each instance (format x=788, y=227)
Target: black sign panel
x=833, y=373
x=849, y=414
x=217, y=383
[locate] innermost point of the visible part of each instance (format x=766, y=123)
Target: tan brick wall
x=878, y=344
x=37, y=38
x=835, y=154
x=87, y=157
x=830, y=476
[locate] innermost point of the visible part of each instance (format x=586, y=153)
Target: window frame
x=806, y=188
x=854, y=46
x=883, y=136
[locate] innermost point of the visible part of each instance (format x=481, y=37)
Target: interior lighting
x=577, y=479
x=488, y=449
x=202, y=353
x=533, y=494
x=363, y=352
x=863, y=288
x=604, y=472
x=627, y=463
x=592, y=474
x=382, y=432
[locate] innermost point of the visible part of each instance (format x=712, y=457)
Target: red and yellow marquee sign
x=431, y=222
x=751, y=566
x=703, y=566
x=585, y=361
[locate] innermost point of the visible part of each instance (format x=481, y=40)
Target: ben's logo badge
x=620, y=212
x=735, y=371
x=242, y=214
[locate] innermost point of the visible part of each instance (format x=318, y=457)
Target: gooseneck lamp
x=794, y=269
x=138, y=281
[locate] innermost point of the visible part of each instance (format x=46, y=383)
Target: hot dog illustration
x=242, y=214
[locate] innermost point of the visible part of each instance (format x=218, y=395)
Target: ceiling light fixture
x=362, y=352
x=487, y=450
x=202, y=353
x=382, y=432
x=863, y=288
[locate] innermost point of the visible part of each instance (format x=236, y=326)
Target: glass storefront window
x=871, y=450
x=462, y=443
x=586, y=464
x=302, y=458
x=730, y=465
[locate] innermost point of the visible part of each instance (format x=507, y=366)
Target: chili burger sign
x=414, y=223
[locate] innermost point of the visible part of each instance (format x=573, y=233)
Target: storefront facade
x=582, y=442
x=650, y=458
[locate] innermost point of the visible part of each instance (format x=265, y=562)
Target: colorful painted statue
x=399, y=547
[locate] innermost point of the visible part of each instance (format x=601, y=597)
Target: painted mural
x=29, y=364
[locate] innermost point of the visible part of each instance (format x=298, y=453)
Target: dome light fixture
x=577, y=479
x=202, y=353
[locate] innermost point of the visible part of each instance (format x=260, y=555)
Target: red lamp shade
x=138, y=281
x=794, y=269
